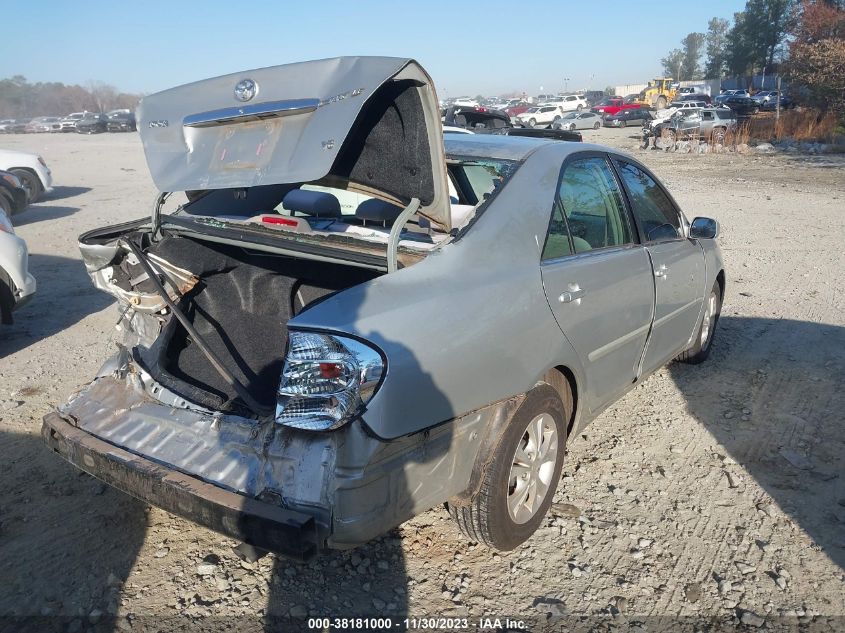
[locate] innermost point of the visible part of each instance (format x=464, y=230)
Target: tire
x=661, y=103
x=504, y=513
x=580, y=107
x=597, y=125
x=572, y=128
x=700, y=350
x=532, y=122
x=623, y=124
x=556, y=121
x=30, y=182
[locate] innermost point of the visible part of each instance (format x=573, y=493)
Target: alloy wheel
x=532, y=468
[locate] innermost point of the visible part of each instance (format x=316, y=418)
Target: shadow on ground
x=50, y=574
x=64, y=296
x=62, y=192
x=41, y=213
x=788, y=377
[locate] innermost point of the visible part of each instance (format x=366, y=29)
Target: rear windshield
x=471, y=182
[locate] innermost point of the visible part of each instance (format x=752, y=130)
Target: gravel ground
x=711, y=493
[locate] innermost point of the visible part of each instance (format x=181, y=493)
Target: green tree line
x=803, y=40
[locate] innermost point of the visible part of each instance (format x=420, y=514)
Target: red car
x=519, y=108
x=613, y=105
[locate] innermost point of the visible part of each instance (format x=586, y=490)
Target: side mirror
x=704, y=229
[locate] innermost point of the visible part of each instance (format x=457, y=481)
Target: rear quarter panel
x=470, y=324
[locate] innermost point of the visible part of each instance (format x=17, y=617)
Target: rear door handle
x=571, y=295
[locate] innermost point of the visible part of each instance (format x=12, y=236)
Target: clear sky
x=469, y=47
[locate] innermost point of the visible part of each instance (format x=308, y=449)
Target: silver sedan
x=352, y=319
x=579, y=121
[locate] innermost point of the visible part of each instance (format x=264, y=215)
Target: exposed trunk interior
x=240, y=307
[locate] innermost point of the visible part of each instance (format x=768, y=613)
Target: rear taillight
x=327, y=380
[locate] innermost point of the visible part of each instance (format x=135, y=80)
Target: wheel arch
x=562, y=378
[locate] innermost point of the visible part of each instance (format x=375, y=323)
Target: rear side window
x=651, y=206
x=589, y=205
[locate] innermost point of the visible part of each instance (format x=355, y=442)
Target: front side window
x=589, y=204
x=651, y=206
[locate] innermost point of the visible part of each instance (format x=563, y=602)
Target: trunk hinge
x=155, y=230
x=398, y=225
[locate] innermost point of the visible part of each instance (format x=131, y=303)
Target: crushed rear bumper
x=286, y=532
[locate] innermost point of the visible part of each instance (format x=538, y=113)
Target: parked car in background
x=121, y=121
x=13, y=197
x=69, y=122
x=4, y=125
x=44, y=124
x=612, y=105
x=30, y=169
x=317, y=399
x=686, y=105
x=743, y=106
x=784, y=100
x=539, y=115
x=18, y=126
x=720, y=98
x=518, y=108
x=92, y=123
x=476, y=119
x=578, y=121
x=710, y=124
x=571, y=103
x=764, y=96
x=17, y=285
x=623, y=118
x=696, y=96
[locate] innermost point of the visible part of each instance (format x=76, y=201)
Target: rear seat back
x=317, y=204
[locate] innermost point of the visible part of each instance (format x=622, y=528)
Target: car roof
x=502, y=147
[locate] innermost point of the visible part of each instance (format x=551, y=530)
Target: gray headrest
x=375, y=210
x=315, y=203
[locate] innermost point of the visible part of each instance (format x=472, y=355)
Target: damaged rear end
x=216, y=406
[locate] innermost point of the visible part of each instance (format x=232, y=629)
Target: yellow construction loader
x=659, y=93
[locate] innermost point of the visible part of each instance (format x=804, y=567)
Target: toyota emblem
x=246, y=90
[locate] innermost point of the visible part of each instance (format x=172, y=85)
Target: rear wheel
x=700, y=349
x=580, y=107
x=661, y=103
x=597, y=125
x=719, y=135
x=622, y=123
x=520, y=479
x=572, y=127
x=30, y=183
x=532, y=122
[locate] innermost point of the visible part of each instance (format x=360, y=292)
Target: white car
x=572, y=103
x=543, y=115
x=579, y=121
x=17, y=285
x=30, y=169
x=69, y=122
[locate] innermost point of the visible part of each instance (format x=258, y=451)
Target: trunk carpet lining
x=240, y=307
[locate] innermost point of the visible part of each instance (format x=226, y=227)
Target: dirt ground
x=711, y=493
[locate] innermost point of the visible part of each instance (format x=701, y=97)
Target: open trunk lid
x=369, y=123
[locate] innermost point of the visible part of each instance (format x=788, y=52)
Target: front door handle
x=573, y=294
x=661, y=271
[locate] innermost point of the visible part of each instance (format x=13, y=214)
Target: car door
x=677, y=262
x=597, y=278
